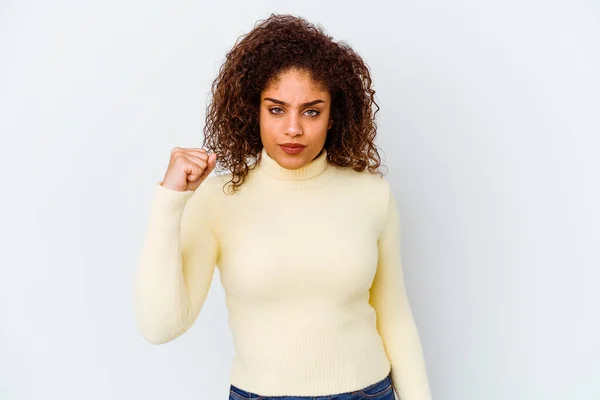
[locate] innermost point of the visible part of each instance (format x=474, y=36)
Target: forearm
x=404, y=349
x=395, y=321
x=162, y=303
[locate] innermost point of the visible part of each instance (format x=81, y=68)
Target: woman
x=302, y=226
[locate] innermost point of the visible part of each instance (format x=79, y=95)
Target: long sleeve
x=176, y=263
x=395, y=321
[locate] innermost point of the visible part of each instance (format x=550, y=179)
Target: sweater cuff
x=169, y=199
x=168, y=205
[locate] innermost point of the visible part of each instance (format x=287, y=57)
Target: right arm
x=176, y=262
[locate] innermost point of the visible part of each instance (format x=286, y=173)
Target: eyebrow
x=310, y=103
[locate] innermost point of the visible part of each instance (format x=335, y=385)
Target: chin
x=288, y=162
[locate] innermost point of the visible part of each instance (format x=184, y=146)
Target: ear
x=330, y=124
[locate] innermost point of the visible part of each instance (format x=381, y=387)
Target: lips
x=292, y=148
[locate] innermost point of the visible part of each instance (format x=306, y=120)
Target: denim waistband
x=385, y=382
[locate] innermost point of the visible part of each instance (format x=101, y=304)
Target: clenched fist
x=188, y=168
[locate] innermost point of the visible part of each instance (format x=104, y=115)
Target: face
x=294, y=110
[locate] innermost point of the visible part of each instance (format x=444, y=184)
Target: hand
x=188, y=168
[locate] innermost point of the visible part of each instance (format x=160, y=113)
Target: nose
x=294, y=125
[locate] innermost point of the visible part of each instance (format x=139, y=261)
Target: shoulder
x=376, y=193
x=375, y=184
x=372, y=190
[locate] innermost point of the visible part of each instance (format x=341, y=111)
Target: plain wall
x=490, y=128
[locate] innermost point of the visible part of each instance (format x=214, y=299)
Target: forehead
x=294, y=82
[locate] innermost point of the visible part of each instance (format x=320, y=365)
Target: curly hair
x=275, y=45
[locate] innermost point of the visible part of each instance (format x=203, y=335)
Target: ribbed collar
x=303, y=177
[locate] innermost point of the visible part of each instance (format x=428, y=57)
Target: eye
x=275, y=108
x=313, y=111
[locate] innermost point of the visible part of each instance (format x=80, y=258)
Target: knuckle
x=179, y=159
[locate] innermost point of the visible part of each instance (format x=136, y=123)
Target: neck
x=306, y=176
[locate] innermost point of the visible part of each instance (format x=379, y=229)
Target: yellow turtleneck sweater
x=311, y=267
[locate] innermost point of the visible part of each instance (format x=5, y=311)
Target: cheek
x=266, y=123
x=324, y=123
x=261, y=116
x=268, y=128
x=262, y=120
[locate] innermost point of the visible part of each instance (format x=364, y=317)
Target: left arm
x=395, y=322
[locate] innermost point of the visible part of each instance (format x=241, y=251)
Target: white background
x=490, y=124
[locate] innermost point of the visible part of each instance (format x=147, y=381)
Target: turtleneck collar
x=303, y=177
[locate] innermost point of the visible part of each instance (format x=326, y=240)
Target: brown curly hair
x=277, y=44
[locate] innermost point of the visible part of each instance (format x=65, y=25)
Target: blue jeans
x=382, y=390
